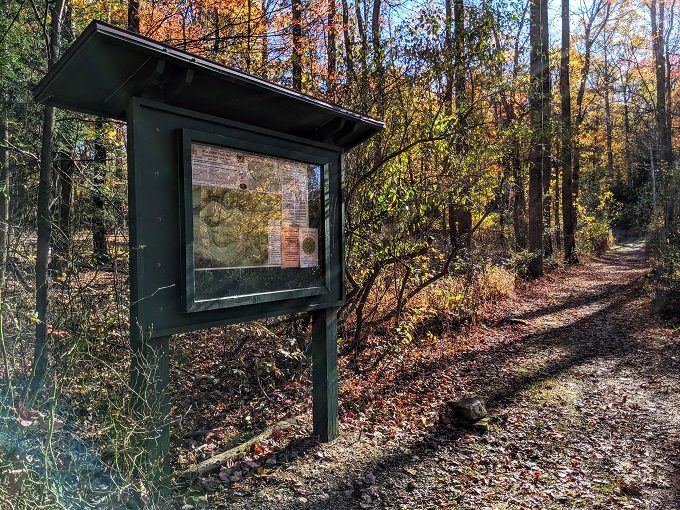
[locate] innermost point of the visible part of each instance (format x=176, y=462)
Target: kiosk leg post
x=325, y=373
x=151, y=404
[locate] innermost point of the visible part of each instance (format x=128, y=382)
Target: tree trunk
x=556, y=209
x=448, y=51
x=609, y=131
x=62, y=241
x=539, y=154
x=519, y=206
x=216, y=46
x=546, y=160
x=378, y=59
x=4, y=199
x=662, y=114
x=626, y=134
x=249, y=35
x=363, y=57
x=666, y=148
x=448, y=215
x=608, y=122
x=547, y=213
x=379, y=77
x=332, y=52
x=40, y=355
x=347, y=38
x=463, y=213
x=100, y=253
x=565, y=110
x=264, y=53
x=296, y=58
x=133, y=16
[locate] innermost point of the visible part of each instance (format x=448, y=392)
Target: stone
x=482, y=426
x=468, y=410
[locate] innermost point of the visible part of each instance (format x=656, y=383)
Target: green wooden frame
x=294, y=152
x=156, y=137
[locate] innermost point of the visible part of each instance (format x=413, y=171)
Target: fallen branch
x=237, y=452
x=517, y=320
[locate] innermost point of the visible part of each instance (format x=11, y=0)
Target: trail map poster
x=252, y=210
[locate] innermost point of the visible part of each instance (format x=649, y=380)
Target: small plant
x=665, y=275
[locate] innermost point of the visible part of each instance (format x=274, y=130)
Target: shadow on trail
x=603, y=294
x=501, y=373
x=626, y=257
x=578, y=341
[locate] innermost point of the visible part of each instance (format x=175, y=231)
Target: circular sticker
x=309, y=245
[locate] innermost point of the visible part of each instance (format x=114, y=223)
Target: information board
x=256, y=221
x=252, y=210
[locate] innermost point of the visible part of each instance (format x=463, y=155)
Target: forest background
x=519, y=136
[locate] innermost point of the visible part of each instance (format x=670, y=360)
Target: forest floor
x=581, y=381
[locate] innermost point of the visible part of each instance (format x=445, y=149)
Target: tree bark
x=565, y=110
x=40, y=355
x=296, y=57
x=62, y=241
x=663, y=134
x=546, y=161
x=378, y=58
x=347, y=38
x=662, y=114
x=133, y=16
x=4, y=198
x=461, y=214
x=100, y=253
x=539, y=159
x=264, y=53
x=363, y=57
x=331, y=71
x=556, y=208
x=249, y=35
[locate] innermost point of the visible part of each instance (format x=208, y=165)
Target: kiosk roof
x=106, y=66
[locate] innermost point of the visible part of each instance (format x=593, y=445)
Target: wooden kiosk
x=235, y=201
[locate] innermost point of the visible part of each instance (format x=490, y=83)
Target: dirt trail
x=583, y=386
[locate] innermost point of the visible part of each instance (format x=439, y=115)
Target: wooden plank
x=149, y=373
x=214, y=462
x=325, y=373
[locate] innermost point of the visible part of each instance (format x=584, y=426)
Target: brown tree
x=539, y=158
x=565, y=96
x=296, y=57
x=40, y=355
x=99, y=246
x=331, y=51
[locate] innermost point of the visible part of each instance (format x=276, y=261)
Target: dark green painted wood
x=325, y=373
x=150, y=402
x=157, y=229
x=107, y=66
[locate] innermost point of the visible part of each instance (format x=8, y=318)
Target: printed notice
x=274, y=243
x=217, y=167
x=290, y=247
x=263, y=174
x=309, y=247
x=295, y=196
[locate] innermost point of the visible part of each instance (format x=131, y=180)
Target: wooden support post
x=149, y=372
x=325, y=373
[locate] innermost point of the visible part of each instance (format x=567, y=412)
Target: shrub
x=593, y=235
x=665, y=274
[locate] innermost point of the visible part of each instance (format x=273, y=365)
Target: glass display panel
x=257, y=222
